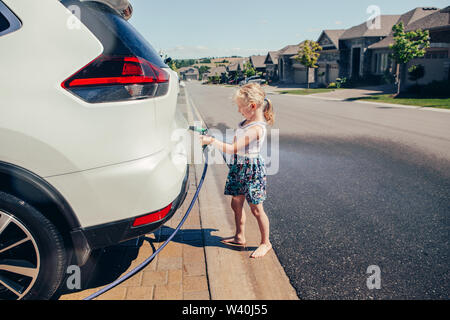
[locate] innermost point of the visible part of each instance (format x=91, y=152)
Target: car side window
x=8, y=21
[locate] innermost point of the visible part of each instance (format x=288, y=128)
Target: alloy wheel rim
x=19, y=258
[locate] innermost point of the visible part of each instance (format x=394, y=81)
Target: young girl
x=247, y=176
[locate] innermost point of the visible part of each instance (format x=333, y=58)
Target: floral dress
x=248, y=175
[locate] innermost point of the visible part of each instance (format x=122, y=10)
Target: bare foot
x=261, y=251
x=234, y=241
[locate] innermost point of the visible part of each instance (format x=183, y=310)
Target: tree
x=407, y=46
x=205, y=60
x=216, y=79
x=184, y=63
x=173, y=66
x=202, y=70
x=416, y=72
x=249, y=71
x=308, y=55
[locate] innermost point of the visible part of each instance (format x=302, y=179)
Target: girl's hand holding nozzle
x=206, y=140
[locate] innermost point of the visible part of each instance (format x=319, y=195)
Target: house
x=258, y=64
x=290, y=70
x=328, y=70
x=189, y=73
x=380, y=51
x=354, y=57
x=436, y=60
x=285, y=72
x=216, y=75
x=362, y=51
x=271, y=63
x=192, y=74
x=236, y=70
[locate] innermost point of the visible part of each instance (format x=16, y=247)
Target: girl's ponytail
x=269, y=114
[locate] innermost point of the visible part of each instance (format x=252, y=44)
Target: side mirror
x=168, y=60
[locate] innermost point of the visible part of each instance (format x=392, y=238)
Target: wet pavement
x=358, y=185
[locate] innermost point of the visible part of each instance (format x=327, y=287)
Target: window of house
x=382, y=62
x=442, y=54
x=375, y=63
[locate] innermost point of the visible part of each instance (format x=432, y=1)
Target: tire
x=32, y=254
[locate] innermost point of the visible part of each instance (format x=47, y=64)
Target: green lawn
x=386, y=98
x=305, y=91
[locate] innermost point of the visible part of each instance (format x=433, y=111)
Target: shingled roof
x=233, y=67
x=418, y=18
x=194, y=71
x=291, y=49
x=187, y=69
x=363, y=30
x=436, y=20
x=385, y=43
x=217, y=71
x=239, y=65
x=258, y=61
x=273, y=56
x=416, y=14
x=333, y=35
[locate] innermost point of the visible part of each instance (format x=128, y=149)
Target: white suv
x=87, y=111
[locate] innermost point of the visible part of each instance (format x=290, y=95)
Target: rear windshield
x=4, y=24
x=116, y=34
x=8, y=21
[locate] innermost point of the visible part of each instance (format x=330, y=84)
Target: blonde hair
x=253, y=93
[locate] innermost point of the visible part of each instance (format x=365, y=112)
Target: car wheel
x=32, y=253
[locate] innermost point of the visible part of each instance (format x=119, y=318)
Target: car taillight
x=109, y=79
x=152, y=217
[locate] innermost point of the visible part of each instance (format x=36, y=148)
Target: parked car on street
x=236, y=81
x=87, y=113
x=254, y=79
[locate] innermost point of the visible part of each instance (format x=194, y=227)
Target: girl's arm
x=251, y=135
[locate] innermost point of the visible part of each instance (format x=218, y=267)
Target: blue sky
x=200, y=28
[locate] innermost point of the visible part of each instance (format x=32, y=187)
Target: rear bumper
x=104, y=235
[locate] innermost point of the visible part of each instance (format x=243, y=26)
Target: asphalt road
x=357, y=185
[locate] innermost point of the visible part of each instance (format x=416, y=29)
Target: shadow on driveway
x=108, y=264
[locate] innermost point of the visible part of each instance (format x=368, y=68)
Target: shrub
x=414, y=89
x=369, y=80
x=435, y=89
x=332, y=85
x=388, y=77
x=341, y=82
x=416, y=72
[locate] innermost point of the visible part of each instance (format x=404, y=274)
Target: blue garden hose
x=144, y=264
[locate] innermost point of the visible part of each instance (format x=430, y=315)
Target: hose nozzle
x=202, y=131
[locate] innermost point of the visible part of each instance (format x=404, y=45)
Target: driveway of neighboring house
x=342, y=94
x=346, y=94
